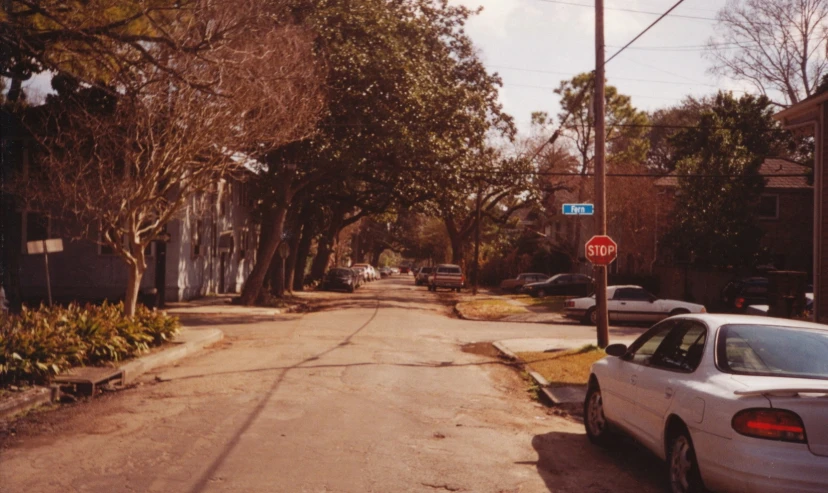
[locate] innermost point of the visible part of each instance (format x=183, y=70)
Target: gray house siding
x=82, y=272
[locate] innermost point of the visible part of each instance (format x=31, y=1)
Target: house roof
x=779, y=173
x=793, y=115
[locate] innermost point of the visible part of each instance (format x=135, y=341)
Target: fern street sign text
x=578, y=209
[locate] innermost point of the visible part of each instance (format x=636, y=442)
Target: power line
x=634, y=11
x=662, y=16
x=630, y=95
x=614, y=78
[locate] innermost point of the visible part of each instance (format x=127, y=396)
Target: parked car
x=395, y=270
x=403, y=269
x=518, y=282
x=385, y=271
x=364, y=275
x=421, y=277
x=370, y=273
x=447, y=276
x=739, y=294
x=341, y=278
x=629, y=304
x=560, y=285
x=732, y=403
x=359, y=276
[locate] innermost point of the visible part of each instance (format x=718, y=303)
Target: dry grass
x=564, y=367
x=491, y=309
x=551, y=303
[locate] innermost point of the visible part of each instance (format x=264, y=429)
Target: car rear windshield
x=448, y=270
x=773, y=351
x=341, y=272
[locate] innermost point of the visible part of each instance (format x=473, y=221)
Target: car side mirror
x=616, y=350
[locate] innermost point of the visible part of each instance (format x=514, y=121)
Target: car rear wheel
x=595, y=423
x=682, y=467
x=541, y=293
x=591, y=317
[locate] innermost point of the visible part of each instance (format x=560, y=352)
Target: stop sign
x=601, y=250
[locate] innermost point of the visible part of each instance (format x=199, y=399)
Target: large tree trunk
x=267, y=248
x=302, y=252
x=268, y=244
x=290, y=268
x=323, y=251
x=456, y=239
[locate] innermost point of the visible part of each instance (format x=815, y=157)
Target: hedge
x=40, y=343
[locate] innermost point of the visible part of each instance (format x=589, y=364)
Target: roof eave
x=802, y=113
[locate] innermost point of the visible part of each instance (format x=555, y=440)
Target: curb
x=192, y=342
x=189, y=342
x=553, y=394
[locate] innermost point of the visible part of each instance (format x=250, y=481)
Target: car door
x=666, y=373
x=619, y=394
x=640, y=306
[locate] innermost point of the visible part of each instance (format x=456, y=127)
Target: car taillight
x=770, y=424
x=569, y=304
x=740, y=302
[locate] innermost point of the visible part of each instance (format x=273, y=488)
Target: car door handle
x=668, y=393
x=623, y=303
x=634, y=379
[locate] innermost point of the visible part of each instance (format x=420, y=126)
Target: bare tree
x=123, y=161
x=776, y=45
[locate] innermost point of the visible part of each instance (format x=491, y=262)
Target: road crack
x=446, y=486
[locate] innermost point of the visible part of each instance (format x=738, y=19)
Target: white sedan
x=629, y=304
x=732, y=403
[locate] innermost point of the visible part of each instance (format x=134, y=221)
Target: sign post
x=45, y=247
x=601, y=250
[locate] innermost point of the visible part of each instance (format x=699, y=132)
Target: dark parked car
x=560, y=285
x=341, y=278
x=739, y=294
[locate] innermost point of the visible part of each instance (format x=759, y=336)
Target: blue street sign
x=578, y=209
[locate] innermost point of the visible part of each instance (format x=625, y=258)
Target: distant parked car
x=395, y=270
x=739, y=294
x=385, y=271
x=629, y=304
x=421, y=277
x=341, y=278
x=370, y=273
x=560, y=285
x=731, y=403
x=403, y=269
x=447, y=276
x=363, y=273
x=518, y=282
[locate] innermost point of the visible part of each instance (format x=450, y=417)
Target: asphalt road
x=371, y=394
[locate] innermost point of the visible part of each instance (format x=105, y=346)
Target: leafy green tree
x=717, y=164
x=408, y=103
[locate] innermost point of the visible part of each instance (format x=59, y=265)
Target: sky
x=535, y=44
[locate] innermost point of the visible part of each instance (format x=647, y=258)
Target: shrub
x=37, y=344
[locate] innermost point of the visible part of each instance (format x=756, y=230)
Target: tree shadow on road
x=568, y=462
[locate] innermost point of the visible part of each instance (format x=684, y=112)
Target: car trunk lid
x=807, y=397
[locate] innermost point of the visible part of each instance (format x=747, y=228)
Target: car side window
x=682, y=348
x=623, y=294
x=643, y=349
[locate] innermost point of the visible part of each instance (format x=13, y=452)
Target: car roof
x=719, y=319
x=447, y=265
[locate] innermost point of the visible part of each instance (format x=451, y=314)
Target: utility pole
x=600, y=174
x=477, y=241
